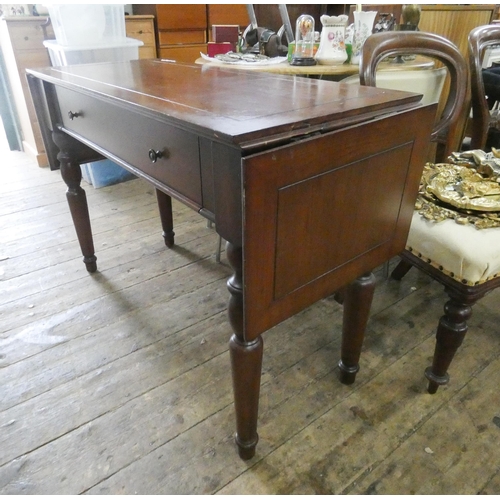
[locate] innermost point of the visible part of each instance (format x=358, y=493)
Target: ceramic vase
x=332, y=43
x=363, y=27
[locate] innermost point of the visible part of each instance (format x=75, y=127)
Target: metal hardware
x=73, y=115
x=155, y=155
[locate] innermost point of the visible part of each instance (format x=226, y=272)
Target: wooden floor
x=119, y=382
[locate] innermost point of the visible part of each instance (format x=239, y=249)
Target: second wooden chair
x=428, y=240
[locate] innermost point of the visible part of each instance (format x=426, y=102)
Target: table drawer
x=135, y=139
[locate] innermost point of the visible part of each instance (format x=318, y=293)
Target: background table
x=334, y=72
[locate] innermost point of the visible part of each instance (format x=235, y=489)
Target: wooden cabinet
x=142, y=28
x=227, y=14
x=455, y=22
x=184, y=17
x=21, y=40
x=182, y=31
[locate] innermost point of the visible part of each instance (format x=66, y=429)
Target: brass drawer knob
x=154, y=155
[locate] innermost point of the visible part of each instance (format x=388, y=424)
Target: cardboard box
x=225, y=33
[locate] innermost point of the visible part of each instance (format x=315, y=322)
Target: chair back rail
x=449, y=127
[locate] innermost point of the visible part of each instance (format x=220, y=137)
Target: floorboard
x=119, y=382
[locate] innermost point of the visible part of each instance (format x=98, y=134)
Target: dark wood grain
x=226, y=104
x=277, y=163
x=324, y=211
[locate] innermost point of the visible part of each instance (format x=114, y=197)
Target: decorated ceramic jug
x=332, y=45
x=363, y=27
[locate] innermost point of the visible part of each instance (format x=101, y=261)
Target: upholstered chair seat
x=468, y=255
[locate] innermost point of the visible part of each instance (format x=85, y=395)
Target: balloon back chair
x=459, y=254
x=464, y=259
x=448, y=128
x=480, y=39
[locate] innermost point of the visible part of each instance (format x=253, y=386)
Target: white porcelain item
x=332, y=44
x=363, y=27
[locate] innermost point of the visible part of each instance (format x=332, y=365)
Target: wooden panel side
x=322, y=212
x=326, y=208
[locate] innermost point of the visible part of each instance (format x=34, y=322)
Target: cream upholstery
x=466, y=254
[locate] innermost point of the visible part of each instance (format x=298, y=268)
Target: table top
x=284, y=68
x=225, y=104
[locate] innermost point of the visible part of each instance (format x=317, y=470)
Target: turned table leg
x=77, y=200
x=165, y=208
x=357, y=300
x=246, y=362
x=449, y=336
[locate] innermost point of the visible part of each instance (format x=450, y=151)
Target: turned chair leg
x=449, y=336
x=401, y=269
